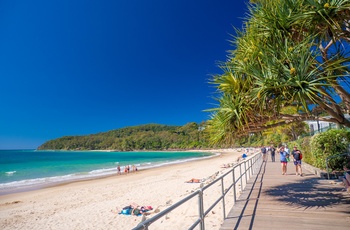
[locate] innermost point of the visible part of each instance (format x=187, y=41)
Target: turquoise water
x=26, y=169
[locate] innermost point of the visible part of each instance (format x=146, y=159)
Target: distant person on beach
x=126, y=169
x=273, y=153
x=284, y=159
x=134, y=168
x=226, y=166
x=193, y=180
x=133, y=209
x=297, y=156
x=118, y=168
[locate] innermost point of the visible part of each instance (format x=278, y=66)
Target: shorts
x=284, y=162
x=297, y=162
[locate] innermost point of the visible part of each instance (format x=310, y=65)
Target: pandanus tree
x=289, y=53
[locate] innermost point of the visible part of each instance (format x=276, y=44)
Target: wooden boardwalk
x=275, y=201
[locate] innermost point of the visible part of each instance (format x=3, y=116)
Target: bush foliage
x=328, y=145
x=143, y=137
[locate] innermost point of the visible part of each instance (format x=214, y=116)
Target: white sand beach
x=88, y=204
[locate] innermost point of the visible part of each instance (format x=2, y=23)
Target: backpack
x=263, y=150
x=298, y=156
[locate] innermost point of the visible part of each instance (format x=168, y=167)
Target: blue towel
x=128, y=212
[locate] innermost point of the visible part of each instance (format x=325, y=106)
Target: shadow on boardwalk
x=309, y=193
x=274, y=201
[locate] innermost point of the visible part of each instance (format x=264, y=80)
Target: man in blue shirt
x=297, y=161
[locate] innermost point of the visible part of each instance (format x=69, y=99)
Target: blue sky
x=82, y=67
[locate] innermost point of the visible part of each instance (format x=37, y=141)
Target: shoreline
x=51, y=181
x=106, y=176
x=88, y=204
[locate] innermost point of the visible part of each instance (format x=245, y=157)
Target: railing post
x=245, y=172
x=234, y=186
x=249, y=168
x=201, y=209
x=241, y=176
x=223, y=197
x=240, y=173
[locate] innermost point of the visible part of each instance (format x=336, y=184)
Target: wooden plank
x=275, y=201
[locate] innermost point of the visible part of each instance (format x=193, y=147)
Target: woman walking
x=284, y=160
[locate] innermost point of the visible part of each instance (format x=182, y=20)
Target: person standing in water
x=118, y=168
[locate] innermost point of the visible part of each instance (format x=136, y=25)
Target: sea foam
x=10, y=173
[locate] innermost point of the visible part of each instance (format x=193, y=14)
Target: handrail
x=254, y=163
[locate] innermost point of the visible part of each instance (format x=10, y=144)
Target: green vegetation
x=273, y=136
x=331, y=144
x=144, y=137
x=290, y=53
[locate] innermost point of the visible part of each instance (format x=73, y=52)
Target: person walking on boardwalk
x=284, y=160
x=263, y=152
x=297, y=156
x=286, y=149
x=273, y=151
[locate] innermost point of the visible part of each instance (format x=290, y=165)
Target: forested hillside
x=143, y=137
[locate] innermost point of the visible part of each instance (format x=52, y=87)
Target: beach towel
x=129, y=210
x=137, y=212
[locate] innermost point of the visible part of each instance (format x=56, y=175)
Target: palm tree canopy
x=289, y=53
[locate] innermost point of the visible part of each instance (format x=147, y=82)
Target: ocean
x=22, y=170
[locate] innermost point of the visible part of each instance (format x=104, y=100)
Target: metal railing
x=246, y=169
x=334, y=156
x=324, y=129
